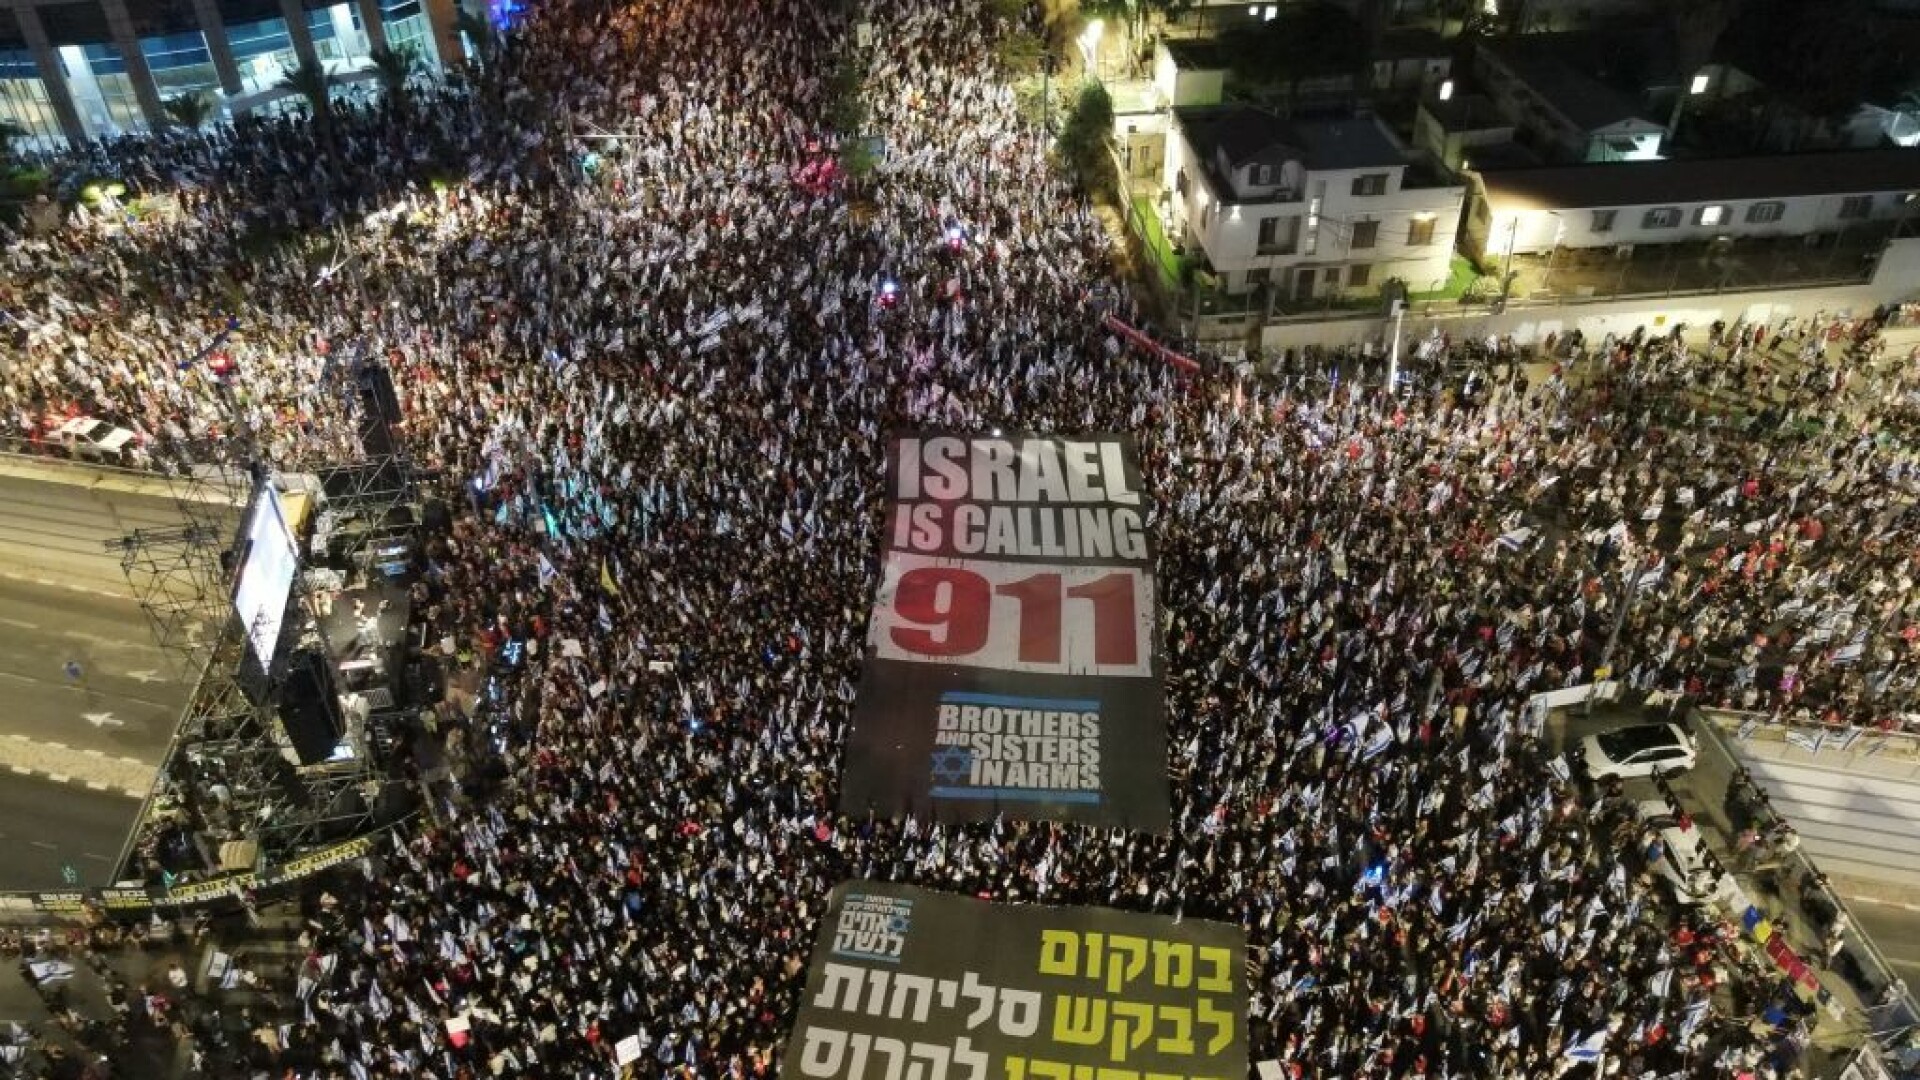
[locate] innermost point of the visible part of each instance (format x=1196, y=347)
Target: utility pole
x=1506, y=271
x=1393, y=353
x=1046, y=93
x=1619, y=620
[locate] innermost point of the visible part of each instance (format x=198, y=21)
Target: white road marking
x=91, y=855
x=68, y=585
x=43, y=845
x=21, y=623
x=103, y=719
x=1878, y=902
x=97, y=785
x=60, y=778
x=147, y=676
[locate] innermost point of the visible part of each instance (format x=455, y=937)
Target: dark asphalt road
x=127, y=687
x=47, y=826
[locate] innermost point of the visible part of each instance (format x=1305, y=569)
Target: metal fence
x=1890, y=1012
x=1894, y=747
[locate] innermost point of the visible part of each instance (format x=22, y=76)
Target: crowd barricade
x=1816, y=737
x=1893, y=1011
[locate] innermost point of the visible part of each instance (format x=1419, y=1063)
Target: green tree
x=312, y=82
x=1083, y=138
x=1019, y=54
x=1131, y=16
x=395, y=69
x=1823, y=59
x=188, y=111
x=1269, y=61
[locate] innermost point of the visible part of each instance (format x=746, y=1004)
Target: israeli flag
x=1378, y=744
x=1696, y=1012
x=1589, y=1047
x=1658, y=986
x=1810, y=743
x=1516, y=539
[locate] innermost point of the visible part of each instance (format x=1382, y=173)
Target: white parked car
x=1689, y=870
x=93, y=439
x=1639, y=750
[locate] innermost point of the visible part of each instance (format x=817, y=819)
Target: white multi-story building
x=1308, y=208
x=1534, y=211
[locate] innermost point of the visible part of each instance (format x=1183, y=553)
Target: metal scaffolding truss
x=371, y=508
x=179, y=574
x=231, y=739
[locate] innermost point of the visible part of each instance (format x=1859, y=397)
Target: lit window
x=1710, y=215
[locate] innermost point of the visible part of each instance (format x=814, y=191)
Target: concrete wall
x=1897, y=280
x=1193, y=86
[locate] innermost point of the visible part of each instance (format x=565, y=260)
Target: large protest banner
x=909, y=984
x=1012, y=663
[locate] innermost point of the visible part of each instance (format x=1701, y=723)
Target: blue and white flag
x=1810, y=743
x=1696, y=1012
x=1658, y=986
x=1588, y=1047
x=1378, y=744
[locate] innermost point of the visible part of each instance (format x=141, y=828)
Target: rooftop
x=1192, y=54
x=1595, y=79
x=1466, y=112
x=1244, y=132
x=1642, y=183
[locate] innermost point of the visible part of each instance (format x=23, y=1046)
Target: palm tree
x=396, y=68
x=189, y=110
x=310, y=81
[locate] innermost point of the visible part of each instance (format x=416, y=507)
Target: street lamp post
x=1506, y=271
x=1632, y=582
x=1046, y=93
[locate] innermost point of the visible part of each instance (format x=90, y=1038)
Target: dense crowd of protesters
x=625, y=285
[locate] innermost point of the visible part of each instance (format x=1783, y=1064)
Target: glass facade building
x=65, y=73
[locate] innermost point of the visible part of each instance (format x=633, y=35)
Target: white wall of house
x=1534, y=231
x=1401, y=232
x=1192, y=86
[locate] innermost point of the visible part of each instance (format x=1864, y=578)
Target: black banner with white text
x=909, y=984
x=1012, y=663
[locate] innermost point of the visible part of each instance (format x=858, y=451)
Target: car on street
x=92, y=439
x=1636, y=750
x=1686, y=867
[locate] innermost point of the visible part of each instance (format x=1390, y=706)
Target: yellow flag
x=606, y=579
